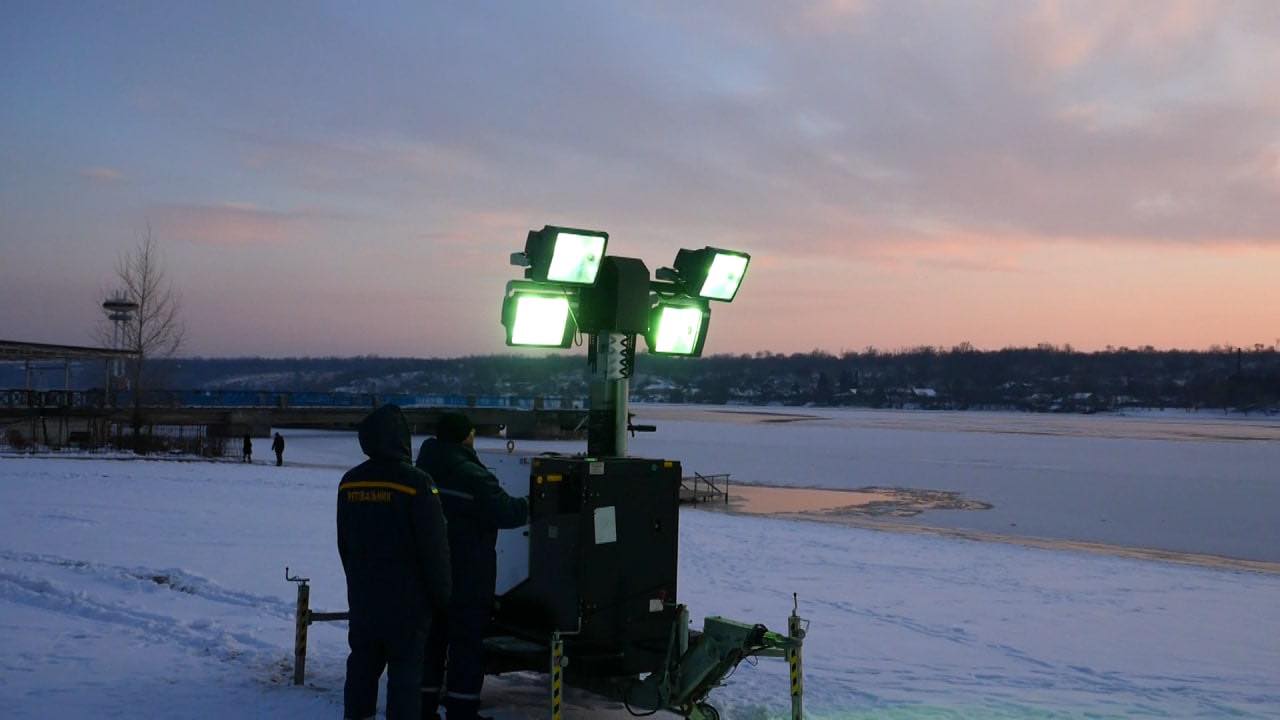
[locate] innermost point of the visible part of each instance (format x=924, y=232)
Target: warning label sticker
x=606, y=525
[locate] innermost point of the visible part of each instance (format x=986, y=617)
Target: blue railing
x=278, y=399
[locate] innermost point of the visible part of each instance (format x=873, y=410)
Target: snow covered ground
x=150, y=589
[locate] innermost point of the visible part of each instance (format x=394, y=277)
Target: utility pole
x=31, y=406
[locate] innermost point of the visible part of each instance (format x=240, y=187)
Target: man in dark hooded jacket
x=394, y=548
x=476, y=507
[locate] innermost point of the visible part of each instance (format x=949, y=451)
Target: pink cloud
x=363, y=162
x=826, y=15
x=474, y=238
x=235, y=223
x=1062, y=36
x=101, y=174
x=945, y=249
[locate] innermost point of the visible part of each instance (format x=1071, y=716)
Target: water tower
x=119, y=310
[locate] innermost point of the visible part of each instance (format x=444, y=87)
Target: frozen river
x=1196, y=483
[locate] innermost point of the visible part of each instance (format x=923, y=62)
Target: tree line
x=1041, y=378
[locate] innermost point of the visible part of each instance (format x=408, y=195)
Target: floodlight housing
x=538, y=315
x=678, y=326
x=711, y=273
x=565, y=255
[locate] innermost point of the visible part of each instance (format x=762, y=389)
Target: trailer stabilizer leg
x=301, y=619
x=711, y=655
x=558, y=661
x=796, y=628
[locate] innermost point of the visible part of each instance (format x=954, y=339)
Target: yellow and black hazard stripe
x=793, y=659
x=557, y=675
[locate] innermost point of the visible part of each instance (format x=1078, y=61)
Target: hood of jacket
x=384, y=435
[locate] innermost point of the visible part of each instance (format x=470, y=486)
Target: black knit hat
x=453, y=427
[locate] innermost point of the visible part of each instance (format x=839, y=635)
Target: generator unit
x=603, y=543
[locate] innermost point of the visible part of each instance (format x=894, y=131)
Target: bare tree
x=155, y=328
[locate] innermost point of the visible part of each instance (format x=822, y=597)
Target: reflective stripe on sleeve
x=457, y=494
x=379, y=485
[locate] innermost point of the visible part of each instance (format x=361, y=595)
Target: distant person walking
x=277, y=447
x=246, y=452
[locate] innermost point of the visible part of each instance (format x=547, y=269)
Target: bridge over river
x=231, y=413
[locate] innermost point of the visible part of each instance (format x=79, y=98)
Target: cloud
x=237, y=223
x=957, y=250
x=955, y=129
x=359, y=164
x=1117, y=122
x=1060, y=120
x=101, y=174
x=1062, y=36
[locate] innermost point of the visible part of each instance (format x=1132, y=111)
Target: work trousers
x=399, y=651
x=456, y=640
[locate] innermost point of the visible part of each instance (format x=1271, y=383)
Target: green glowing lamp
x=563, y=255
x=711, y=273
x=537, y=316
x=678, y=327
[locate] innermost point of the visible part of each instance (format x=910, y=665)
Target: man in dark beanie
x=391, y=537
x=476, y=507
x=455, y=428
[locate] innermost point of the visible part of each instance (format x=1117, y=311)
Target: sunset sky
x=350, y=178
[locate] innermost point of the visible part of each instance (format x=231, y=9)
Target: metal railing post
x=302, y=619
x=300, y=634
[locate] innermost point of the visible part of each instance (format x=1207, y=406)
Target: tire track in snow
x=1044, y=675
x=174, y=579
x=200, y=635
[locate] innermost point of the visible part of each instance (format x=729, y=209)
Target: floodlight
x=711, y=273
x=678, y=327
x=564, y=255
x=537, y=316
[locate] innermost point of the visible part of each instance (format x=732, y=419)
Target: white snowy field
x=141, y=589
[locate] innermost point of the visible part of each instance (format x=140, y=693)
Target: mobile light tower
x=604, y=527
